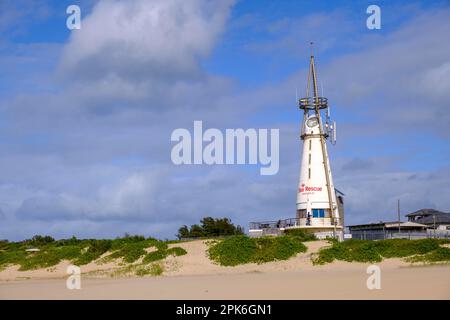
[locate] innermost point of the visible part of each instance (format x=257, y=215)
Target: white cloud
x=141, y=38
x=132, y=196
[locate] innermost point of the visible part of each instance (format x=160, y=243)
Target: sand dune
x=194, y=276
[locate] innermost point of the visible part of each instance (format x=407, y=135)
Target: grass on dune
x=242, y=249
x=81, y=252
x=439, y=255
x=302, y=234
x=425, y=250
x=154, y=269
x=161, y=254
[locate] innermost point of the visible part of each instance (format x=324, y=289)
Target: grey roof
x=431, y=219
x=407, y=224
x=426, y=212
x=373, y=224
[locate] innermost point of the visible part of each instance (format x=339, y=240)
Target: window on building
x=318, y=213
x=310, y=145
x=309, y=158
x=309, y=173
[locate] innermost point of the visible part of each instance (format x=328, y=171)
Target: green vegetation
x=241, y=249
x=162, y=253
x=155, y=256
x=439, y=255
x=93, y=251
x=48, y=257
x=209, y=228
x=80, y=252
x=176, y=251
x=376, y=251
x=304, y=236
x=155, y=269
x=132, y=248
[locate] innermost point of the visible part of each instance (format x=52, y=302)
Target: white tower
x=318, y=210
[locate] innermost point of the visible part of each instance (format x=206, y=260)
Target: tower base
x=322, y=232
x=321, y=228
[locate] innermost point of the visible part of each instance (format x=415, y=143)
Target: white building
x=319, y=206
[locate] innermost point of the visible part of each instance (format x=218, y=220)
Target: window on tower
x=318, y=213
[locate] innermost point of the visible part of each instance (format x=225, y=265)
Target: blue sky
x=86, y=115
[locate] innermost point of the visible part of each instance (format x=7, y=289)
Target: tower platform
x=321, y=228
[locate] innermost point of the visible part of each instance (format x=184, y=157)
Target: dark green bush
x=233, y=251
x=133, y=247
x=130, y=251
x=68, y=242
x=133, y=253
x=79, y=252
x=277, y=248
x=242, y=249
x=4, y=244
x=304, y=236
x=12, y=257
x=119, y=243
x=155, y=256
x=95, y=249
x=161, y=245
x=399, y=248
x=40, y=260
x=38, y=241
x=438, y=255
x=68, y=252
x=367, y=252
x=210, y=227
x=375, y=251
x=176, y=251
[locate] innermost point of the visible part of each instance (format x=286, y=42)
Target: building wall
x=312, y=190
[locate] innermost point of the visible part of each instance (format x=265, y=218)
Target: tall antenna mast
x=319, y=205
x=315, y=104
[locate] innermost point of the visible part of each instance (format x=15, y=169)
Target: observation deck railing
x=294, y=222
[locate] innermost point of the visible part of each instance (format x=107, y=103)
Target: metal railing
x=312, y=103
x=406, y=234
x=293, y=222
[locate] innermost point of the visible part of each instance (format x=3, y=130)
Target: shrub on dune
x=242, y=249
x=375, y=251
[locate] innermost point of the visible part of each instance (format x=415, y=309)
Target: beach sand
x=194, y=276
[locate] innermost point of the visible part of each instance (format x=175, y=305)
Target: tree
x=210, y=227
x=183, y=232
x=196, y=231
x=39, y=240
